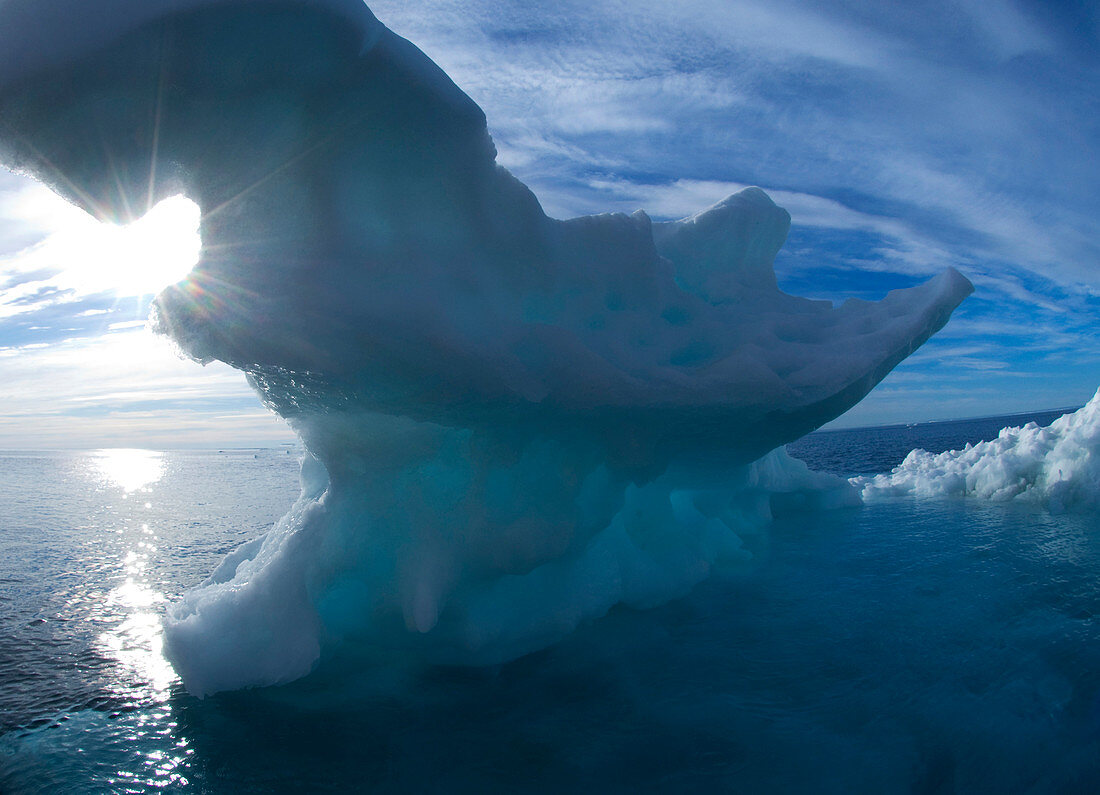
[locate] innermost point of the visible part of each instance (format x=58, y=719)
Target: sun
x=138, y=259
x=146, y=256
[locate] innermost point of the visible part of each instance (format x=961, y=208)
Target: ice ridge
x=1057, y=466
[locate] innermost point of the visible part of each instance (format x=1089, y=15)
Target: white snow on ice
x=1057, y=466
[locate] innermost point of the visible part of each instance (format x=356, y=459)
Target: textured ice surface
x=451, y=557
x=1057, y=466
x=514, y=422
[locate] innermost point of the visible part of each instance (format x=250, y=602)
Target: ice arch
x=514, y=422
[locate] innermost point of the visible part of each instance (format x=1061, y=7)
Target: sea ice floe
x=1057, y=466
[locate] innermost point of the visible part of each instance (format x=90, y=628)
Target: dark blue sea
x=906, y=646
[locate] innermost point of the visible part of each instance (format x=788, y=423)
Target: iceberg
x=513, y=422
x=1057, y=467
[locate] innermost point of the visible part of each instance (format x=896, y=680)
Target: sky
x=903, y=138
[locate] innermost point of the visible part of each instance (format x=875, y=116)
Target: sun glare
x=128, y=468
x=141, y=258
x=153, y=252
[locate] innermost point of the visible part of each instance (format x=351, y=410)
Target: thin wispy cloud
x=109, y=390
x=938, y=114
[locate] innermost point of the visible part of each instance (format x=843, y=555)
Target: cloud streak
x=117, y=389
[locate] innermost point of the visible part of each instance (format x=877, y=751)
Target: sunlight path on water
x=134, y=637
x=139, y=736
x=87, y=701
x=130, y=469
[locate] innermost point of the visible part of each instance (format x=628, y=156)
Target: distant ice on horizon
x=1057, y=467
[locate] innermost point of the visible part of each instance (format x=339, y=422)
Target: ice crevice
x=513, y=422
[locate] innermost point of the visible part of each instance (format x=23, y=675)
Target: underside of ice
x=404, y=567
x=513, y=422
x=1057, y=466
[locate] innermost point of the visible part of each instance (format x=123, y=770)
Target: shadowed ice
x=513, y=422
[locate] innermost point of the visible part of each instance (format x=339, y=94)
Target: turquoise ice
x=513, y=422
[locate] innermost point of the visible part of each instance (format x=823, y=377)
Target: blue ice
x=513, y=422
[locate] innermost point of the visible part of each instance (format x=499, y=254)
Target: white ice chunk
x=1057, y=466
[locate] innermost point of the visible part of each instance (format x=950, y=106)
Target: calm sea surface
x=915, y=646
x=868, y=451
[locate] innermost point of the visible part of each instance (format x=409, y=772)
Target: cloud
x=126, y=388
x=957, y=131
x=1006, y=29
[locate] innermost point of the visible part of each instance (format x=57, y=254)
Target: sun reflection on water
x=133, y=636
x=128, y=468
x=137, y=643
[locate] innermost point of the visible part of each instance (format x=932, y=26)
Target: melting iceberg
x=513, y=422
x=1057, y=466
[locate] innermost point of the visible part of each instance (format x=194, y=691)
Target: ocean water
x=868, y=451
x=914, y=646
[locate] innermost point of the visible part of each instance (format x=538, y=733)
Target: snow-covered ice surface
x=513, y=422
x=1057, y=466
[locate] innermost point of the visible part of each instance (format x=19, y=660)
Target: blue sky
x=902, y=138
